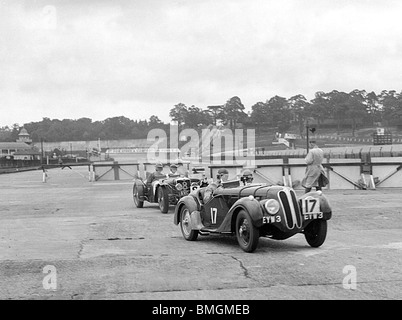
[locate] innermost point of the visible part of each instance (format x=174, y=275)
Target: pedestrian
x=315, y=174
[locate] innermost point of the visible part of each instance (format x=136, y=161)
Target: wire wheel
x=185, y=225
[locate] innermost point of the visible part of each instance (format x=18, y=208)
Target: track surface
x=102, y=247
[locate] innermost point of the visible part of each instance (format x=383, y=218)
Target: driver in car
x=223, y=175
x=247, y=177
x=173, y=171
x=157, y=174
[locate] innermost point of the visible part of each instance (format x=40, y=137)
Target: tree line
x=336, y=109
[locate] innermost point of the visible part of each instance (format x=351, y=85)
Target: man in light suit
x=315, y=173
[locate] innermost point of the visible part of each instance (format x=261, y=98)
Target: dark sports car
x=255, y=211
x=165, y=191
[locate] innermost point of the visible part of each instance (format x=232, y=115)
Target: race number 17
x=310, y=205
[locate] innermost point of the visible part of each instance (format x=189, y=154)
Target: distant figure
x=315, y=173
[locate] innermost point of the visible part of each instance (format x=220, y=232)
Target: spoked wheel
x=163, y=199
x=138, y=192
x=247, y=234
x=188, y=234
x=316, y=232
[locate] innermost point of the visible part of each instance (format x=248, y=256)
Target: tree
x=259, y=115
x=196, y=117
x=233, y=111
x=178, y=114
x=278, y=113
x=338, y=104
x=216, y=112
x=298, y=105
x=319, y=108
x=373, y=107
x=390, y=105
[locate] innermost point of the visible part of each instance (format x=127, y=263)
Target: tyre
x=316, y=232
x=163, y=199
x=188, y=234
x=138, y=193
x=247, y=234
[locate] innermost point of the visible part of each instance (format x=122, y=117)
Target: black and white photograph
x=200, y=155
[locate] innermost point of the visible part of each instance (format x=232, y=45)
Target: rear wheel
x=163, y=199
x=316, y=232
x=247, y=234
x=138, y=193
x=188, y=234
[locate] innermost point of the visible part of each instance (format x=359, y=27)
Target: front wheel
x=138, y=193
x=163, y=199
x=185, y=226
x=247, y=234
x=316, y=232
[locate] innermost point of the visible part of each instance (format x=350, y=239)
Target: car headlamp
x=179, y=186
x=272, y=206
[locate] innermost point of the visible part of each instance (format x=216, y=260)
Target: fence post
x=89, y=173
x=116, y=170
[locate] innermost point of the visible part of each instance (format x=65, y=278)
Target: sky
x=136, y=58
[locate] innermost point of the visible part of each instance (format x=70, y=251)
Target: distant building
x=24, y=136
x=29, y=154
x=21, y=149
x=10, y=148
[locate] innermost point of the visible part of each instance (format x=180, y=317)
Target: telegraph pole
x=307, y=136
x=308, y=129
x=41, y=149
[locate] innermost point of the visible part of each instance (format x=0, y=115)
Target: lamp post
x=41, y=150
x=308, y=129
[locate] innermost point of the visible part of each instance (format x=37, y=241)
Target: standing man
x=315, y=173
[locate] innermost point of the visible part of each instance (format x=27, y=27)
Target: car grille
x=186, y=183
x=290, y=208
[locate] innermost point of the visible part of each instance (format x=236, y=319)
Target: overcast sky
x=99, y=59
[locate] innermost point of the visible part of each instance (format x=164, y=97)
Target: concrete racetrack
x=102, y=247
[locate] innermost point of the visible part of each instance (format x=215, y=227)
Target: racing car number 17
x=311, y=208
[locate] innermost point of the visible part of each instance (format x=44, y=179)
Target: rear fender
x=187, y=201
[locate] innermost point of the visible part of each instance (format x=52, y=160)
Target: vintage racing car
x=165, y=192
x=254, y=211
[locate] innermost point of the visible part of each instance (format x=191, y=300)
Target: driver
x=157, y=174
x=173, y=171
x=223, y=175
x=247, y=177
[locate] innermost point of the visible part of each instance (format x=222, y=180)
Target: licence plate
x=313, y=216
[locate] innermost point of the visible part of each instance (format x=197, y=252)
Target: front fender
x=249, y=204
x=325, y=206
x=187, y=201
